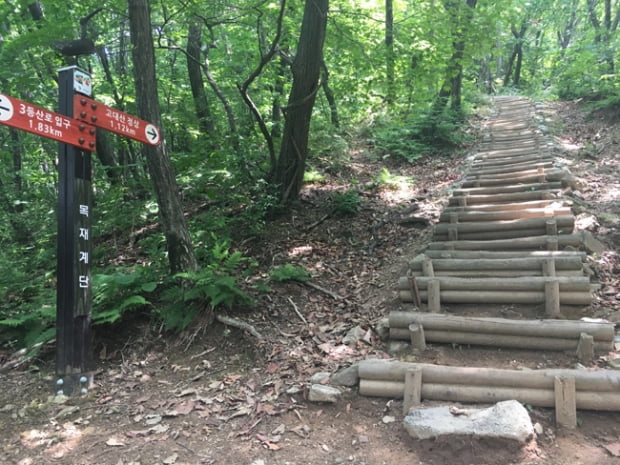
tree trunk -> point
(389, 50)
(180, 251)
(289, 170)
(194, 72)
(329, 95)
(451, 88)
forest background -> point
(254, 98)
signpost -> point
(36, 120)
(113, 120)
(75, 128)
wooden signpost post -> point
(75, 128)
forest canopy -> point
(251, 96)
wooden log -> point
(506, 153)
(564, 222)
(481, 263)
(576, 240)
(476, 254)
(538, 203)
(485, 199)
(486, 161)
(525, 167)
(544, 186)
(555, 175)
(585, 380)
(473, 215)
(565, 397)
(526, 283)
(496, 273)
(586, 400)
(501, 297)
(569, 329)
(499, 340)
(455, 234)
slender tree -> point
(180, 252)
(289, 169)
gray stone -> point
(348, 376)
(353, 335)
(383, 328)
(505, 420)
(395, 347)
(322, 393)
(321, 377)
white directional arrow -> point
(152, 134)
(6, 108)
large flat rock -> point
(505, 420)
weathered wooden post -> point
(74, 287)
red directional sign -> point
(27, 117)
(105, 117)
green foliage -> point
(347, 203)
(414, 136)
(216, 284)
(288, 272)
(116, 293)
(391, 181)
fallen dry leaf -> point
(613, 448)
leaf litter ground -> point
(216, 395)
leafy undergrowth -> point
(216, 395)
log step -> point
(594, 390)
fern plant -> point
(114, 294)
(347, 203)
(289, 272)
(214, 285)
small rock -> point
(322, 377)
(294, 390)
(348, 376)
(395, 347)
(383, 328)
(388, 419)
(322, 393)
(354, 335)
(538, 429)
(505, 420)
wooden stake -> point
(565, 402)
(551, 227)
(413, 389)
(415, 292)
(418, 341)
(585, 348)
(552, 243)
(548, 267)
(552, 298)
(434, 296)
(427, 267)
